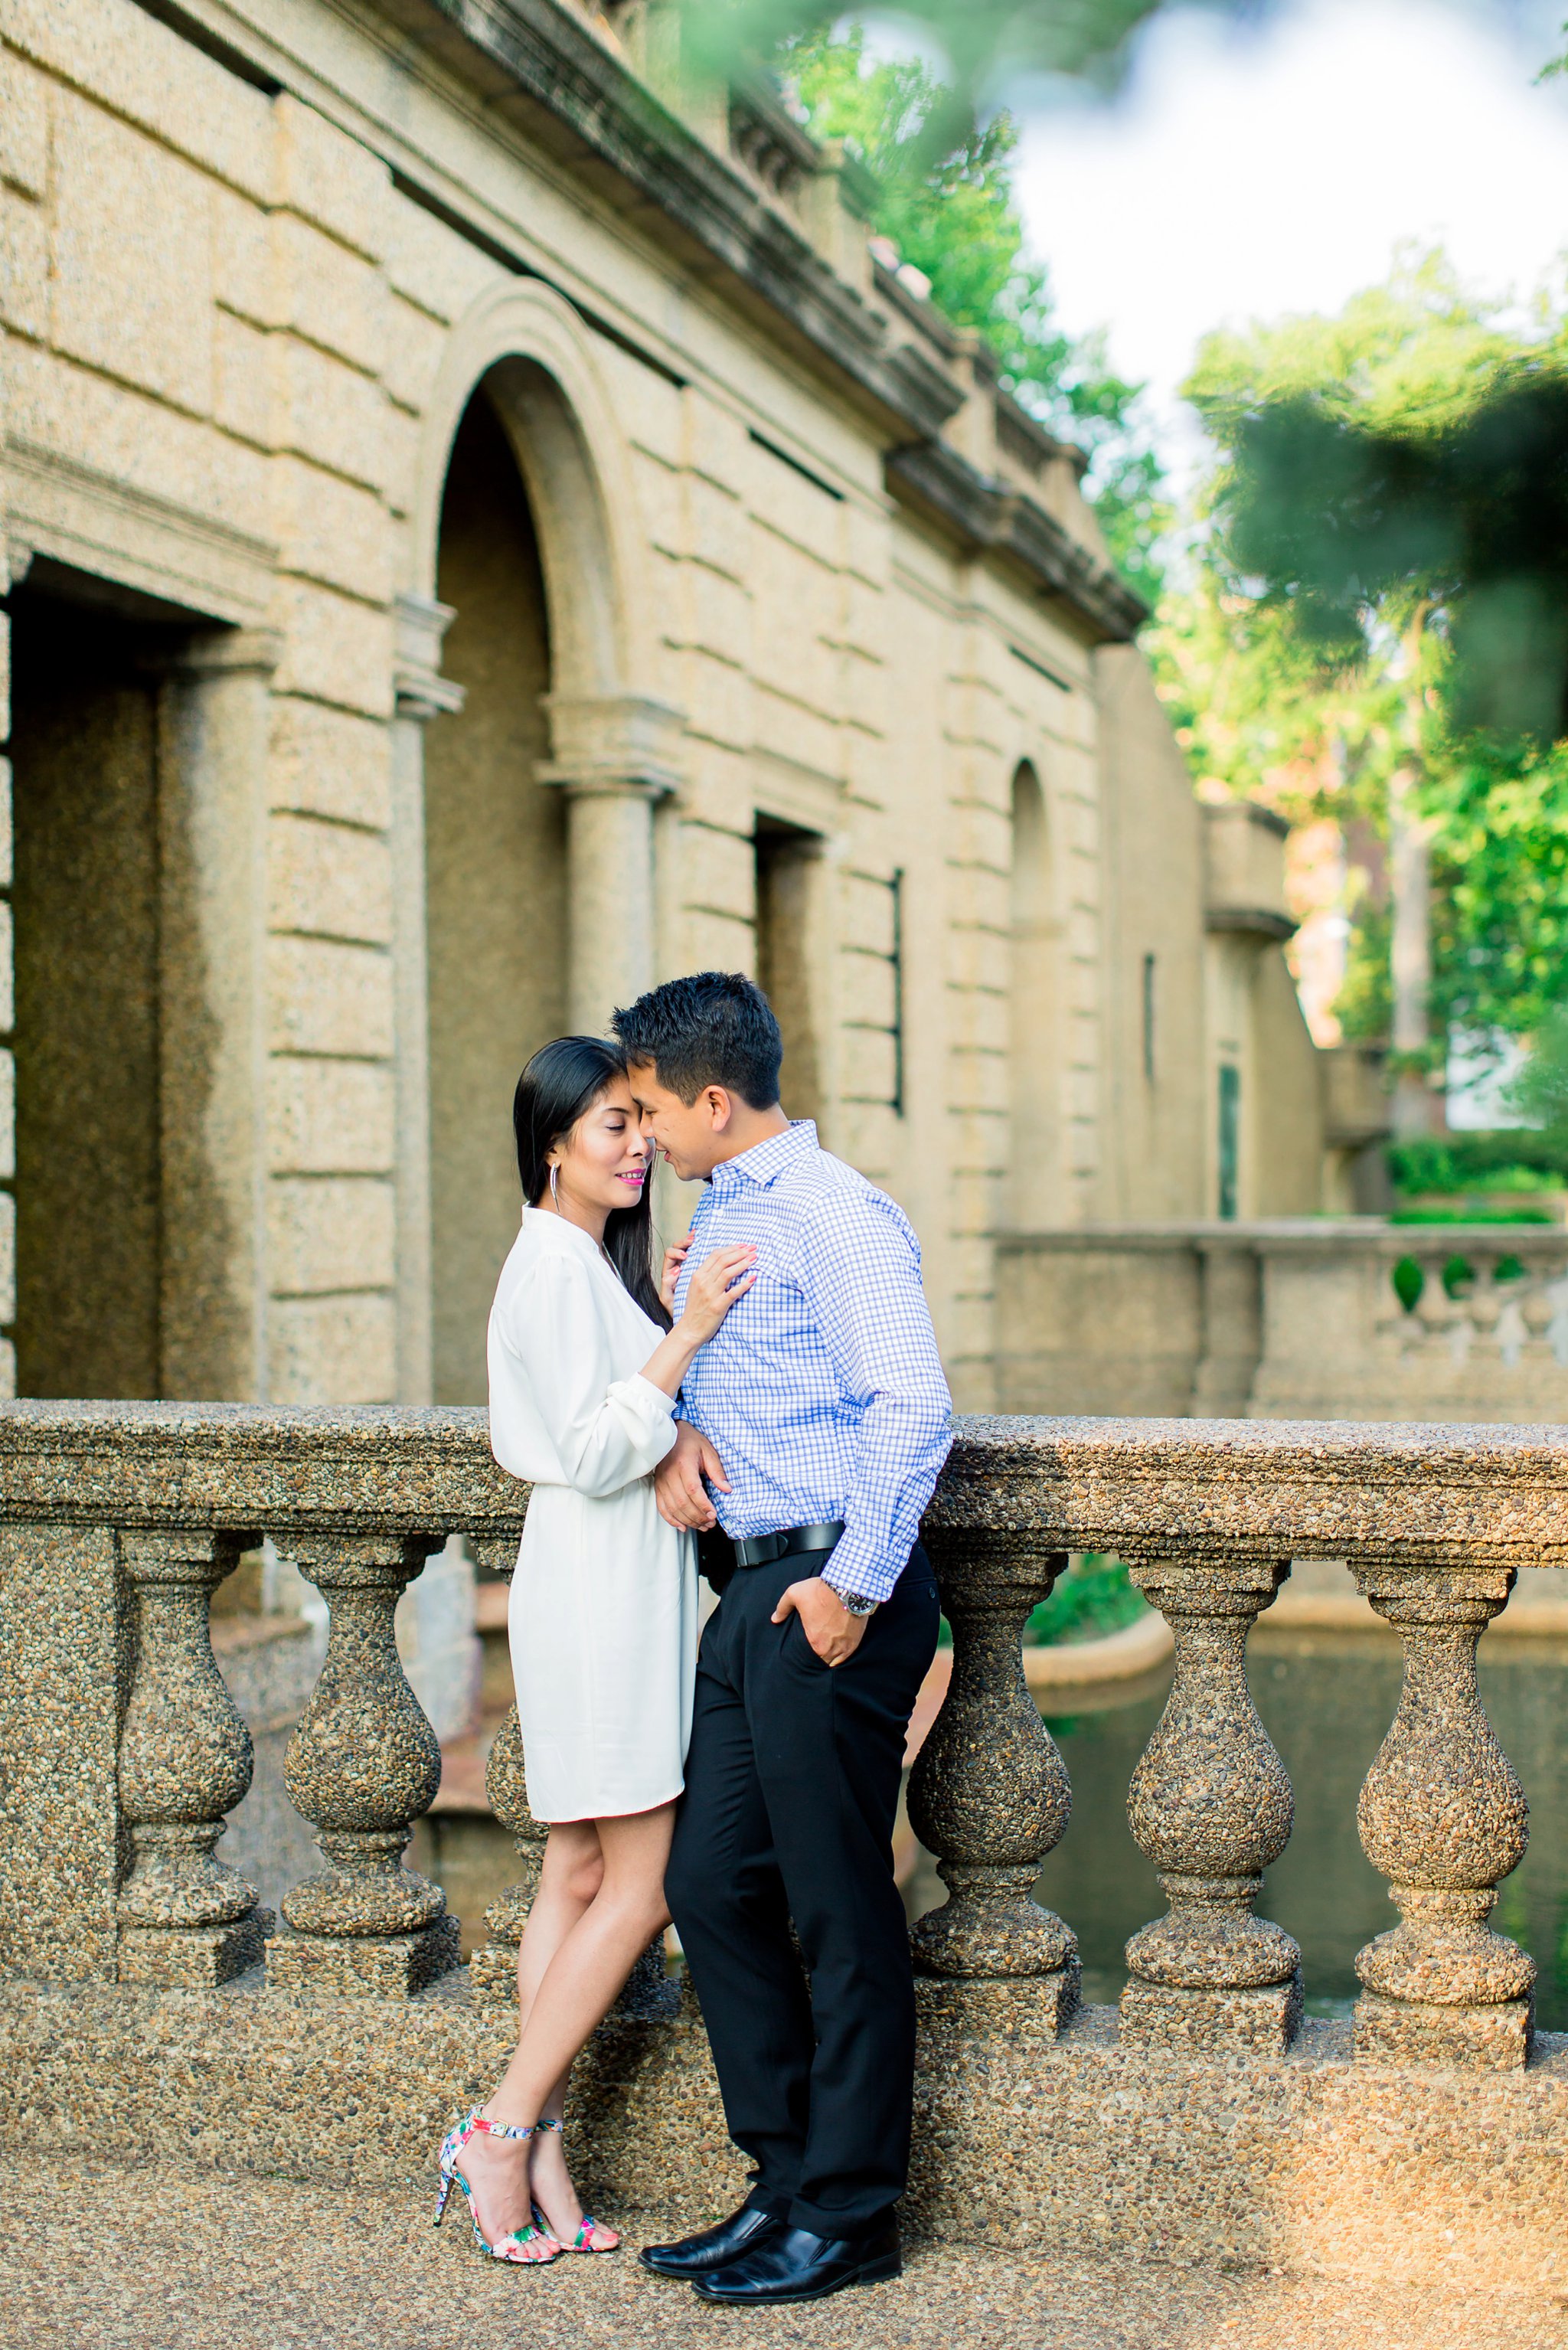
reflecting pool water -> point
(1326, 1699)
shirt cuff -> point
(650, 1413)
(648, 1393)
(855, 1566)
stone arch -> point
(1036, 1074)
(526, 345)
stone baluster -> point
(990, 1793)
(1210, 1805)
(1484, 1304)
(184, 1761)
(1436, 1311)
(493, 1967)
(1535, 1307)
(362, 1765)
(1443, 1817)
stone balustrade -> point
(123, 1751)
(1210, 1514)
(147, 1997)
(1351, 1317)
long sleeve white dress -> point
(603, 1615)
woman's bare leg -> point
(565, 1888)
(586, 1961)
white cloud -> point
(1245, 173)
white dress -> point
(603, 1615)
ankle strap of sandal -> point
(500, 2129)
(550, 2121)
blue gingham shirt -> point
(822, 1390)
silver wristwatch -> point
(855, 1604)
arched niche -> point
(495, 838)
(1034, 1186)
(537, 840)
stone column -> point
(422, 693)
(988, 1793)
(363, 1764)
(213, 806)
(1445, 1820)
(614, 755)
(1210, 1805)
(184, 1762)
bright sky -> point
(1246, 173)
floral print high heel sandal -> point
(582, 2241)
(526, 2247)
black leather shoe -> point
(791, 2264)
(694, 2256)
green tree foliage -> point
(1383, 586)
(1500, 926)
(1411, 451)
(946, 201)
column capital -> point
(221, 652)
(616, 742)
(421, 624)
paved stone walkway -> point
(93, 2258)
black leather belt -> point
(762, 1550)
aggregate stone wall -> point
(1310, 2164)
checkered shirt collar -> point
(767, 1159)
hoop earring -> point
(554, 1195)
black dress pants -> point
(791, 1785)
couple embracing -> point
(777, 1397)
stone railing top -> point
(1248, 1488)
(1312, 1236)
(1180, 1489)
(353, 1468)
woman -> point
(584, 1371)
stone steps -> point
(170, 2259)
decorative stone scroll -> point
(990, 1793)
(493, 1967)
(1443, 1817)
(362, 1765)
(184, 1761)
(1210, 1805)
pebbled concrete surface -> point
(144, 2260)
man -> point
(818, 1417)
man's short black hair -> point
(715, 1029)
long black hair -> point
(560, 1084)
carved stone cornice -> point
(990, 519)
(540, 68)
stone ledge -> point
(1308, 2162)
(1412, 1495)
